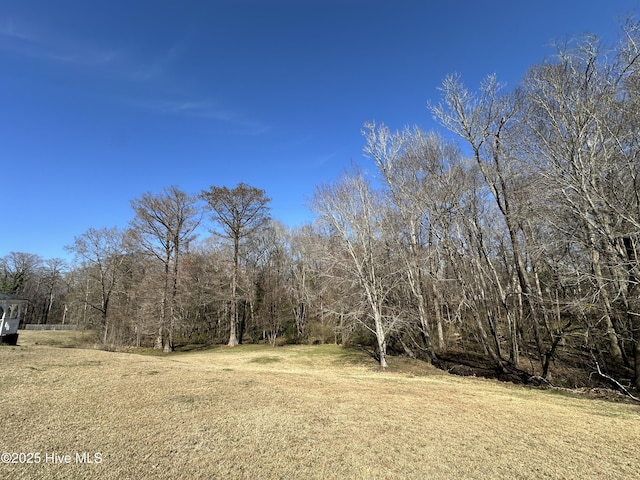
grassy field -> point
(257, 412)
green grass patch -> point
(152, 352)
(265, 359)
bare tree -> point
(271, 305)
(488, 122)
(19, 274)
(304, 282)
(52, 274)
(17, 268)
(101, 254)
(583, 141)
(239, 211)
(318, 300)
(163, 226)
(355, 214)
(424, 176)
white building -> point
(11, 308)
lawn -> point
(258, 412)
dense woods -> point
(512, 235)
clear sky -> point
(102, 101)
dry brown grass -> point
(295, 412)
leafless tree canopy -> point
(240, 212)
(513, 248)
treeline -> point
(518, 241)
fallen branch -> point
(616, 383)
(538, 378)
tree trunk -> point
(233, 324)
(636, 353)
(382, 341)
(158, 345)
(438, 314)
(168, 344)
(106, 330)
(612, 337)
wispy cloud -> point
(234, 122)
(9, 28)
(156, 72)
(191, 108)
(160, 64)
(322, 160)
(19, 38)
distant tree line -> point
(518, 241)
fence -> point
(35, 326)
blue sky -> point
(102, 101)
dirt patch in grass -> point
(312, 414)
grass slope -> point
(293, 412)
